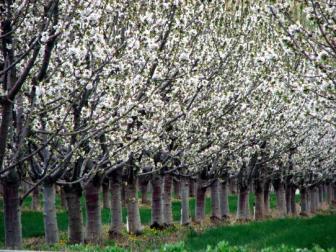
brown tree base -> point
(114, 235)
(215, 219)
(158, 226)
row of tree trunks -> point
(312, 199)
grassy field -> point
(294, 232)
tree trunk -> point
(94, 222)
(200, 202)
(259, 205)
(64, 203)
(157, 209)
(177, 189)
(292, 201)
(280, 195)
(243, 205)
(259, 201)
(35, 206)
(334, 194)
(267, 206)
(75, 216)
(167, 200)
(321, 196)
(133, 219)
(50, 217)
(192, 187)
(288, 200)
(215, 205)
(116, 205)
(12, 215)
(304, 202)
(123, 194)
(317, 196)
(224, 200)
(233, 186)
(312, 201)
(185, 220)
(143, 184)
(106, 196)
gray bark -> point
(259, 200)
(288, 199)
(116, 205)
(292, 201)
(12, 215)
(215, 205)
(224, 200)
(167, 200)
(304, 202)
(192, 187)
(281, 199)
(123, 194)
(267, 206)
(200, 202)
(157, 209)
(185, 220)
(94, 222)
(321, 196)
(143, 184)
(233, 186)
(243, 205)
(317, 197)
(75, 217)
(63, 199)
(133, 219)
(35, 206)
(49, 214)
(259, 205)
(177, 189)
(313, 205)
(106, 196)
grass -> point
(294, 232)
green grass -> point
(294, 232)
